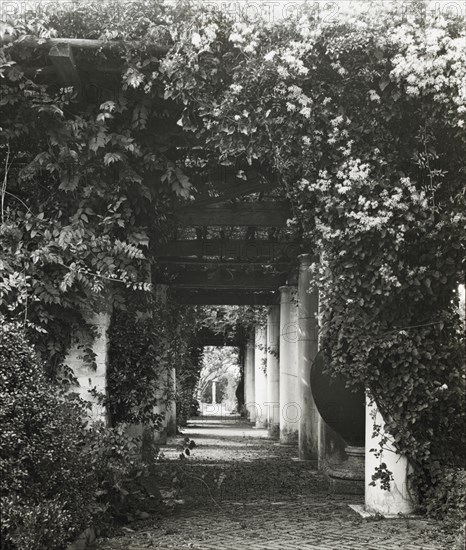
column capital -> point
(307, 259)
(287, 288)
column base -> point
(274, 431)
(288, 437)
(348, 477)
(160, 437)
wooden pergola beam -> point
(29, 41)
(213, 297)
(61, 56)
(242, 251)
(228, 279)
(237, 190)
(268, 214)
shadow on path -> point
(241, 490)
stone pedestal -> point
(273, 372)
(348, 477)
(290, 411)
(400, 499)
(307, 350)
(260, 377)
(249, 379)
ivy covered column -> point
(171, 394)
(398, 497)
(161, 407)
(290, 411)
(273, 372)
(171, 402)
(249, 379)
(307, 350)
(260, 377)
(92, 375)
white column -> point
(273, 372)
(171, 403)
(260, 377)
(163, 387)
(249, 380)
(398, 499)
(290, 410)
(214, 392)
(91, 378)
(307, 351)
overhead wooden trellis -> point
(245, 271)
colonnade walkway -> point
(238, 489)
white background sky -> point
(271, 9)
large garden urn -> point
(343, 411)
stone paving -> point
(243, 490)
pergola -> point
(253, 267)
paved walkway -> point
(240, 490)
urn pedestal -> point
(342, 430)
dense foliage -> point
(327, 105)
(361, 117)
(57, 475)
(147, 340)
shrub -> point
(45, 485)
(57, 474)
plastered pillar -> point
(399, 499)
(249, 380)
(214, 392)
(290, 410)
(92, 380)
(163, 383)
(171, 402)
(273, 372)
(307, 350)
(260, 377)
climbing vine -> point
(327, 106)
(361, 117)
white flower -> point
(196, 40)
(374, 96)
(236, 88)
(282, 72)
(306, 112)
(235, 37)
(251, 48)
(269, 56)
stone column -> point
(214, 392)
(91, 378)
(290, 410)
(260, 377)
(399, 499)
(161, 407)
(307, 351)
(171, 403)
(273, 372)
(249, 386)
